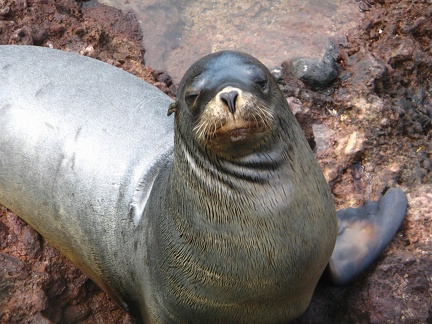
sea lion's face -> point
(226, 102)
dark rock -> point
(39, 35)
(12, 267)
(162, 76)
(317, 74)
(23, 36)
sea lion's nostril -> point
(230, 99)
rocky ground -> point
(371, 129)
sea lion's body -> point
(226, 218)
(72, 162)
(232, 242)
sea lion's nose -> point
(230, 99)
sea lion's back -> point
(80, 141)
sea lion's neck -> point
(199, 170)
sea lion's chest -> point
(218, 252)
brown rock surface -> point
(372, 130)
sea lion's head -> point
(228, 103)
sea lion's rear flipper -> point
(364, 233)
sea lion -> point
(224, 216)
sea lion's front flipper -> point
(364, 233)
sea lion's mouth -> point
(236, 133)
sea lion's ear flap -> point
(173, 107)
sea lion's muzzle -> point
(233, 118)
